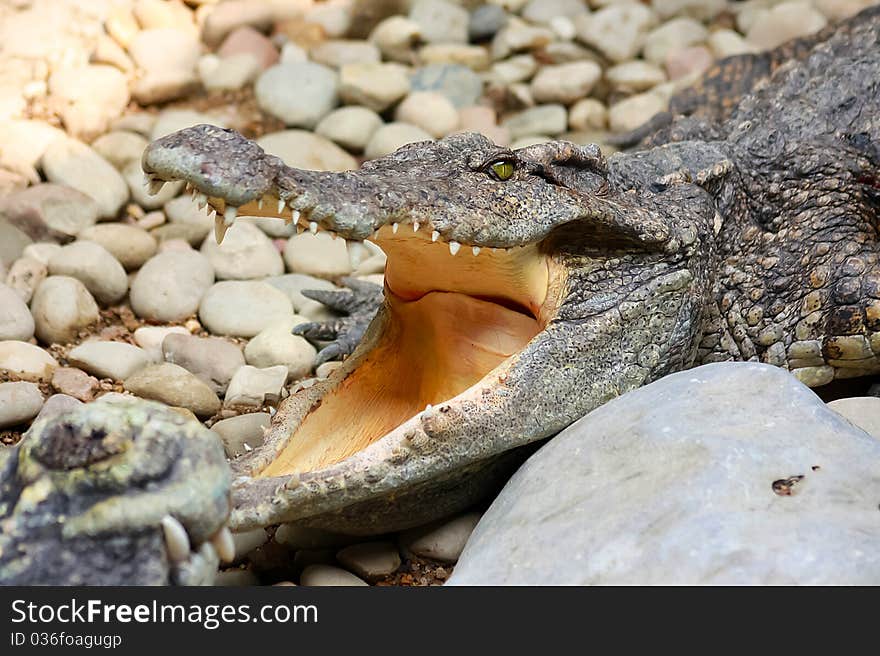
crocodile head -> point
(114, 493)
(522, 289)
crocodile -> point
(111, 493)
(524, 288)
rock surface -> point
(61, 307)
(175, 386)
(730, 473)
(170, 286)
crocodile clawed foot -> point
(358, 302)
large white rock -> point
(242, 308)
(62, 306)
(170, 286)
(246, 253)
(16, 321)
(300, 94)
(730, 473)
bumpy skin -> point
(83, 496)
(749, 238)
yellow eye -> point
(503, 169)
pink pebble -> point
(687, 61)
(247, 40)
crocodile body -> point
(525, 288)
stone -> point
(324, 370)
(275, 345)
(335, 19)
(120, 147)
(543, 119)
(170, 285)
(129, 245)
(246, 253)
(41, 252)
(300, 94)
(475, 58)
(16, 322)
(292, 285)
(150, 339)
(305, 150)
(12, 243)
(374, 85)
(172, 120)
(327, 575)
(482, 119)
(351, 127)
(671, 36)
(26, 360)
(861, 411)
(75, 383)
(181, 236)
(635, 76)
(702, 477)
(242, 433)
(440, 21)
(431, 111)
(726, 43)
(138, 122)
(242, 308)
(227, 73)
(134, 178)
(701, 10)
(253, 386)
(390, 137)
(458, 83)
(837, 10)
(630, 113)
(213, 359)
(233, 14)
(174, 386)
(19, 402)
(61, 307)
(93, 266)
(166, 58)
(443, 541)
(786, 21)
(271, 227)
(486, 21)
(336, 53)
(395, 37)
(245, 40)
(115, 360)
(518, 68)
(688, 62)
(565, 83)
(88, 97)
(183, 210)
(25, 275)
(317, 255)
(49, 212)
(72, 163)
(518, 36)
(160, 13)
(247, 541)
(588, 114)
(370, 560)
(617, 31)
(544, 11)
(57, 404)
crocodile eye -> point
(502, 169)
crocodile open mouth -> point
(453, 313)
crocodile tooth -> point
(154, 185)
(333, 234)
(189, 188)
(357, 253)
(260, 203)
(453, 247)
(294, 215)
(299, 229)
(394, 228)
(475, 250)
(415, 226)
(435, 236)
(201, 201)
(220, 228)
(223, 543)
(230, 214)
(429, 407)
(280, 205)
(176, 539)
(313, 227)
